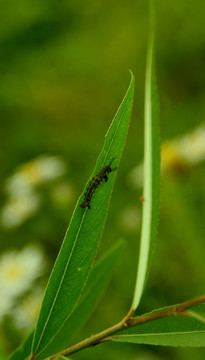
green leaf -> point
(92, 293)
(151, 178)
(78, 250)
(23, 352)
(63, 358)
(198, 312)
(169, 331)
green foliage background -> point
(64, 70)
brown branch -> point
(32, 357)
(175, 310)
(128, 321)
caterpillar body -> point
(101, 177)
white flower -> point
(18, 270)
(6, 303)
(18, 209)
(177, 155)
(192, 146)
(26, 312)
(185, 151)
(38, 171)
(23, 200)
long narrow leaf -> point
(169, 331)
(92, 293)
(79, 247)
(151, 178)
(23, 352)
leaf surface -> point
(73, 264)
(94, 289)
(23, 351)
(169, 331)
(150, 207)
(92, 293)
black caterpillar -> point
(97, 180)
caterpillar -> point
(101, 177)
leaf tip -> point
(132, 75)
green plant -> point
(75, 287)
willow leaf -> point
(92, 293)
(73, 264)
(151, 178)
(94, 289)
(169, 331)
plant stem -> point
(128, 321)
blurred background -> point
(63, 73)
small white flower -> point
(47, 168)
(6, 303)
(18, 270)
(177, 155)
(18, 209)
(185, 151)
(38, 171)
(192, 146)
(26, 312)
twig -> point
(127, 322)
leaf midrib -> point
(161, 334)
(76, 238)
(60, 285)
